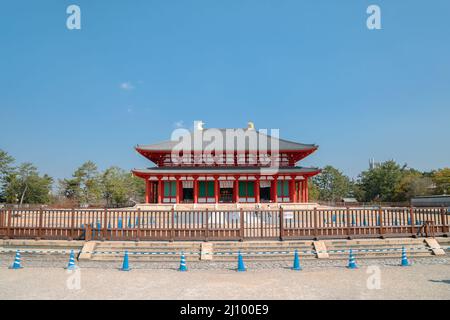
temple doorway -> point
(226, 195)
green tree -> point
(25, 185)
(84, 187)
(5, 169)
(381, 182)
(332, 184)
(412, 183)
(441, 178)
(313, 191)
(120, 187)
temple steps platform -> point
(270, 250)
(161, 251)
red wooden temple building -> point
(256, 169)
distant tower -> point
(371, 163)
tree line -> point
(115, 187)
(385, 182)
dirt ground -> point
(367, 282)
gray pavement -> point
(427, 278)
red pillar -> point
(274, 189)
(236, 189)
(147, 191)
(195, 190)
(292, 190)
(177, 190)
(306, 190)
(257, 199)
(303, 190)
(216, 189)
(160, 190)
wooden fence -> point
(111, 224)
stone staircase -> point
(263, 250)
(227, 250)
(113, 251)
(387, 248)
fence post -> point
(349, 233)
(138, 231)
(207, 225)
(445, 228)
(172, 230)
(72, 224)
(412, 221)
(316, 234)
(105, 224)
(242, 224)
(88, 232)
(380, 216)
(8, 224)
(281, 224)
(39, 229)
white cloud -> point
(127, 86)
(179, 124)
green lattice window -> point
(283, 188)
(170, 189)
(206, 189)
(246, 189)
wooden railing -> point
(111, 224)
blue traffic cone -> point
(351, 261)
(119, 223)
(183, 266)
(16, 264)
(241, 266)
(71, 265)
(296, 265)
(125, 266)
(405, 262)
(129, 222)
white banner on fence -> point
(288, 215)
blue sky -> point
(136, 69)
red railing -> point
(111, 224)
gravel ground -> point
(43, 277)
(60, 261)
